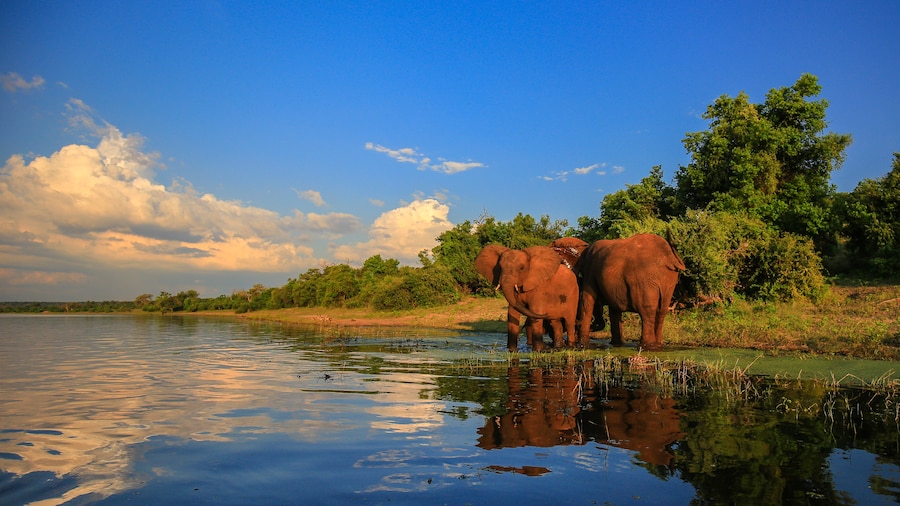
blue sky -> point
(167, 146)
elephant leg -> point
(529, 333)
(570, 332)
(535, 330)
(585, 313)
(512, 329)
(598, 323)
(654, 339)
(556, 332)
(615, 326)
(648, 329)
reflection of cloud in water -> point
(395, 412)
(75, 405)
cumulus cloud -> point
(312, 196)
(13, 82)
(401, 233)
(99, 208)
(422, 162)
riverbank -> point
(853, 321)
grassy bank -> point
(854, 321)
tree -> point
(523, 231)
(338, 285)
(773, 160)
(651, 198)
(456, 251)
(306, 288)
(143, 300)
(871, 213)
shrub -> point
(422, 287)
(729, 253)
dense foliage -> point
(771, 160)
(753, 215)
(871, 219)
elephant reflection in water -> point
(540, 411)
(639, 421)
(552, 406)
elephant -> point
(635, 274)
(536, 284)
(569, 249)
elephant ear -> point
(486, 263)
(543, 264)
(569, 249)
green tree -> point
(651, 198)
(456, 251)
(338, 285)
(773, 160)
(416, 287)
(189, 300)
(871, 213)
(305, 289)
(374, 273)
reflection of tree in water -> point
(774, 448)
(769, 443)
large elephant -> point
(536, 284)
(636, 274)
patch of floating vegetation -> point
(723, 379)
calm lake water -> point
(173, 410)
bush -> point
(728, 254)
(782, 267)
(412, 288)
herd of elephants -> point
(567, 283)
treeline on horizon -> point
(753, 215)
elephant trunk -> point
(510, 292)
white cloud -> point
(312, 196)
(581, 171)
(422, 162)
(93, 217)
(556, 176)
(448, 167)
(586, 170)
(13, 82)
(87, 209)
(401, 233)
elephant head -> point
(569, 249)
(517, 271)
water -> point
(152, 409)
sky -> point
(210, 146)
